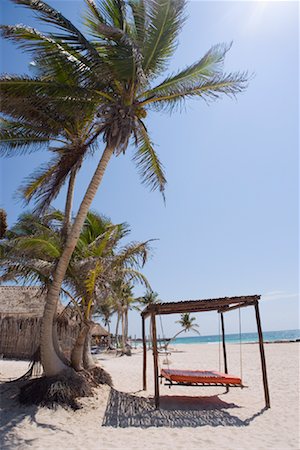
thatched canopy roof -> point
(23, 301)
(214, 304)
(98, 330)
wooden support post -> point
(262, 355)
(224, 347)
(155, 361)
(144, 355)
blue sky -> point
(230, 224)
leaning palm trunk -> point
(88, 360)
(77, 351)
(69, 202)
(51, 362)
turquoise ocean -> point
(269, 336)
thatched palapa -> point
(21, 312)
(99, 334)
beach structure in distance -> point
(200, 378)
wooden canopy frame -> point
(221, 305)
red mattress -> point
(199, 376)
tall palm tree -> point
(131, 44)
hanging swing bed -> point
(200, 377)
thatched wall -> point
(21, 310)
(20, 337)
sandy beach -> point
(190, 417)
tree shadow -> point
(12, 413)
(125, 410)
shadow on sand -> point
(12, 413)
(125, 410)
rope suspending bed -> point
(200, 377)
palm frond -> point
(56, 53)
(212, 89)
(133, 255)
(209, 66)
(27, 87)
(150, 168)
(19, 137)
(164, 21)
(111, 13)
(45, 183)
(139, 19)
(39, 246)
(70, 34)
(105, 19)
(131, 275)
(91, 279)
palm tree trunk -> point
(174, 337)
(69, 202)
(56, 345)
(126, 325)
(50, 360)
(88, 360)
(109, 335)
(117, 330)
(123, 330)
(77, 351)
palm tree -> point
(33, 245)
(132, 42)
(187, 323)
(149, 298)
(105, 310)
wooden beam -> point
(144, 356)
(262, 356)
(224, 348)
(199, 305)
(231, 308)
(155, 360)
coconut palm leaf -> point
(57, 53)
(150, 168)
(211, 89)
(210, 65)
(106, 19)
(70, 34)
(17, 138)
(139, 21)
(134, 254)
(131, 275)
(164, 21)
(46, 182)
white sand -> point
(235, 420)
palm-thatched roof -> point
(23, 301)
(98, 330)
